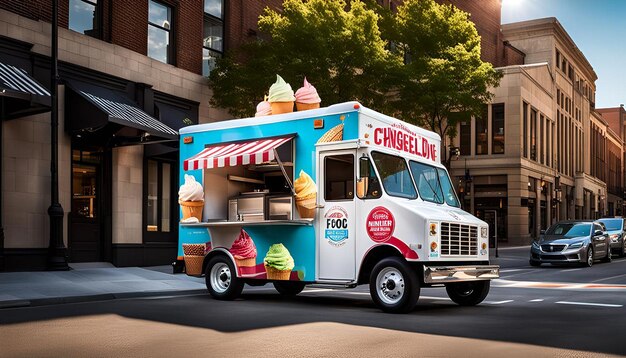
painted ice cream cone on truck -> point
(281, 97)
(307, 97)
(278, 263)
(243, 250)
(191, 199)
(306, 195)
(263, 108)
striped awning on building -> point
(114, 108)
(20, 94)
(16, 79)
(232, 154)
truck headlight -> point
(433, 229)
(483, 232)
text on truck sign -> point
(403, 139)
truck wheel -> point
(468, 293)
(221, 279)
(394, 286)
(289, 288)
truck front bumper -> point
(446, 274)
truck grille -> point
(458, 239)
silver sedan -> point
(572, 242)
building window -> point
(213, 36)
(558, 59)
(466, 137)
(84, 17)
(542, 138)
(533, 134)
(525, 131)
(481, 133)
(497, 128)
(160, 44)
(159, 191)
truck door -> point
(336, 217)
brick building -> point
(131, 74)
(541, 152)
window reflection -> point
(213, 34)
(159, 32)
(83, 17)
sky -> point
(598, 31)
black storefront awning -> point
(21, 95)
(110, 117)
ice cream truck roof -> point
(374, 129)
(320, 112)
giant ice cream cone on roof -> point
(281, 97)
(307, 97)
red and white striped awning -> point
(221, 155)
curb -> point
(37, 302)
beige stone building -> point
(541, 152)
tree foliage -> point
(338, 48)
(443, 72)
(421, 64)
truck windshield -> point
(433, 184)
(394, 175)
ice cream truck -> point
(336, 196)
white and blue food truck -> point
(341, 196)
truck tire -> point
(221, 279)
(468, 293)
(394, 285)
(287, 288)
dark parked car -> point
(572, 242)
(615, 227)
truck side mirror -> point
(364, 167)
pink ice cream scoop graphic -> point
(244, 250)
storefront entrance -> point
(86, 234)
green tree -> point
(337, 47)
(443, 72)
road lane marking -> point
(589, 304)
(537, 300)
(608, 278)
(556, 285)
(498, 302)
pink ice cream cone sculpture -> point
(307, 97)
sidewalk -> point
(93, 282)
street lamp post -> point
(57, 254)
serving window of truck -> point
(341, 195)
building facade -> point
(131, 74)
(541, 152)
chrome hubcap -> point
(390, 285)
(220, 277)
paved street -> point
(547, 311)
